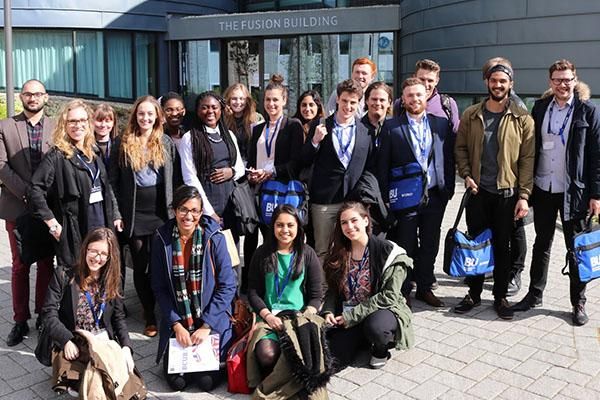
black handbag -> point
(244, 206)
(34, 242)
(43, 349)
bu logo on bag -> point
(586, 248)
(274, 193)
(407, 187)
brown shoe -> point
(429, 298)
(150, 330)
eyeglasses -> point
(95, 253)
(559, 81)
(36, 95)
(183, 211)
(75, 122)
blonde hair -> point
(249, 113)
(60, 137)
(133, 152)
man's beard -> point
(416, 109)
(34, 110)
(498, 98)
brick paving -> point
(538, 355)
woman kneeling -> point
(364, 302)
(194, 284)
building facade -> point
(123, 49)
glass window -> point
(119, 59)
(145, 68)
(89, 58)
(201, 66)
(42, 54)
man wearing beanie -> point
(494, 154)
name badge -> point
(348, 306)
(96, 195)
(101, 334)
(548, 145)
(269, 166)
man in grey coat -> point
(24, 139)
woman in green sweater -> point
(285, 275)
(364, 302)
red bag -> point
(237, 378)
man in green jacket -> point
(494, 154)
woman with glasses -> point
(194, 284)
(143, 177)
(70, 190)
(86, 298)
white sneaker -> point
(377, 363)
(72, 392)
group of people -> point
(164, 188)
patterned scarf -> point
(189, 310)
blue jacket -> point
(218, 283)
(397, 150)
(582, 166)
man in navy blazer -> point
(340, 150)
(425, 141)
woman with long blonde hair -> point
(143, 177)
(240, 115)
(70, 190)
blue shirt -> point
(422, 142)
(344, 137)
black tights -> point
(267, 353)
(140, 255)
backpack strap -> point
(447, 107)
(461, 208)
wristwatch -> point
(53, 229)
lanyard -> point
(353, 282)
(422, 137)
(564, 124)
(92, 175)
(339, 134)
(377, 133)
(106, 156)
(98, 317)
(269, 143)
(279, 290)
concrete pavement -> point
(538, 355)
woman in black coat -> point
(273, 153)
(87, 298)
(70, 190)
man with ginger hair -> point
(364, 72)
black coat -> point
(60, 308)
(582, 166)
(122, 180)
(397, 150)
(331, 182)
(287, 148)
(60, 188)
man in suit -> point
(340, 151)
(417, 137)
(566, 178)
(24, 139)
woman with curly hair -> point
(143, 177)
(364, 302)
(70, 190)
(240, 115)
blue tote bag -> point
(466, 254)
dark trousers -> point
(546, 206)
(419, 234)
(518, 248)
(494, 211)
(140, 255)
(378, 331)
(20, 279)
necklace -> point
(217, 139)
